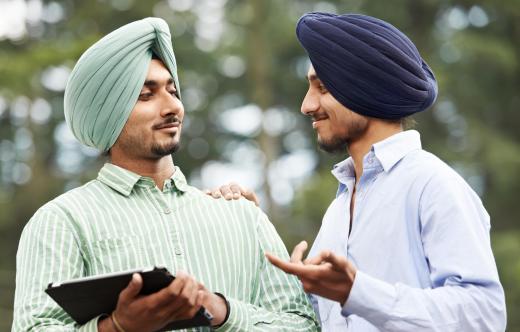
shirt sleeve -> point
(466, 294)
(47, 252)
(282, 305)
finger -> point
(236, 190)
(250, 196)
(282, 265)
(318, 259)
(297, 254)
(339, 263)
(216, 194)
(201, 296)
(300, 270)
(226, 192)
(186, 301)
(171, 293)
(132, 290)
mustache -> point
(318, 117)
(169, 121)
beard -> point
(164, 149)
(136, 144)
(340, 143)
(334, 145)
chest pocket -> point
(127, 252)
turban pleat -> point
(104, 86)
(367, 64)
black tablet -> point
(89, 297)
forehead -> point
(157, 71)
(311, 71)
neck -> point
(158, 169)
(377, 131)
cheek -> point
(141, 118)
(339, 117)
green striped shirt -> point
(123, 221)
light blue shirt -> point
(420, 243)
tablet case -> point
(89, 297)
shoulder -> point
(430, 181)
(241, 210)
(74, 198)
(426, 168)
(62, 208)
(442, 188)
(439, 174)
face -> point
(336, 125)
(153, 129)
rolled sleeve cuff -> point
(371, 299)
(91, 325)
(238, 319)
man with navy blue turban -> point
(405, 244)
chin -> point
(333, 144)
(166, 149)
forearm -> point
(453, 307)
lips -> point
(169, 125)
(315, 120)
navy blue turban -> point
(367, 64)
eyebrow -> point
(151, 84)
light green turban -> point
(104, 86)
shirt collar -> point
(123, 180)
(179, 180)
(388, 152)
(391, 150)
(344, 170)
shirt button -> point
(178, 251)
(167, 211)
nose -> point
(171, 105)
(311, 103)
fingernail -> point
(228, 195)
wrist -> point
(105, 324)
(351, 273)
(219, 309)
(115, 323)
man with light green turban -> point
(123, 98)
(105, 84)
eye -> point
(173, 92)
(322, 88)
(145, 96)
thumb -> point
(133, 288)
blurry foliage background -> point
(242, 75)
